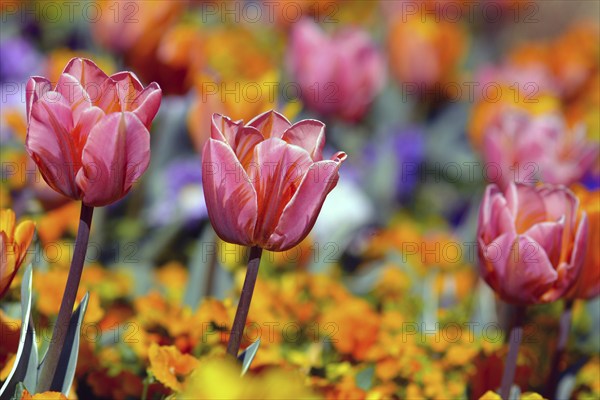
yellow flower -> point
(489, 395)
(14, 243)
(219, 378)
(168, 365)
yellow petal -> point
(7, 222)
(22, 239)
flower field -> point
(299, 199)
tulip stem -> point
(55, 348)
(510, 364)
(563, 337)
(239, 322)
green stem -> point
(55, 348)
(510, 364)
(241, 314)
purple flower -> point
(183, 197)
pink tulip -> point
(265, 182)
(525, 148)
(90, 135)
(531, 242)
(338, 75)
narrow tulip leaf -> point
(203, 269)
(25, 367)
(248, 355)
(65, 370)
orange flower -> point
(168, 365)
(353, 328)
(14, 243)
(43, 396)
(425, 52)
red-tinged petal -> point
(73, 91)
(271, 124)
(531, 208)
(308, 134)
(549, 235)
(229, 194)
(116, 154)
(300, 214)
(88, 119)
(51, 146)
(87, 73)
(224, 129)
(493, 258)
(560, 202)
(37, 87)
(276, 170)
(240, 138)
(581, 243)
(148, 103)
(528, 274)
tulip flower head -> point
(527, 148)
(265, 182)
(14, 242)
(338, 75)
(531, 242)
(89, 136)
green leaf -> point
(248, 355)
(65, 370)
(25, 367)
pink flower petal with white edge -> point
(116, 154)
(550, 236)
(276, 170)
(528, 274)
(37, 87)
(51, 146)
(87, 73)
(230, 197)
(300, 214)
(144, 102)
(308, 134)
(75, 94)
(271, 124)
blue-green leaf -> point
(25, 367)
(65, 370)
(248, 355)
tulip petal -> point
(22, 240)
(7, 222)
(271, 124)
(116, 154)
(144, 102)
(300, 214)
(276, 170)
(308, 134)
(530, 209)
(86, 72)
(229, 194)
(51, 146)
(240, 138)
(75, 94)
(37, 87)
(224, 129)
(7, 264)
(528, 274)
(560, 203)
(549, 235)
(148, 103)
